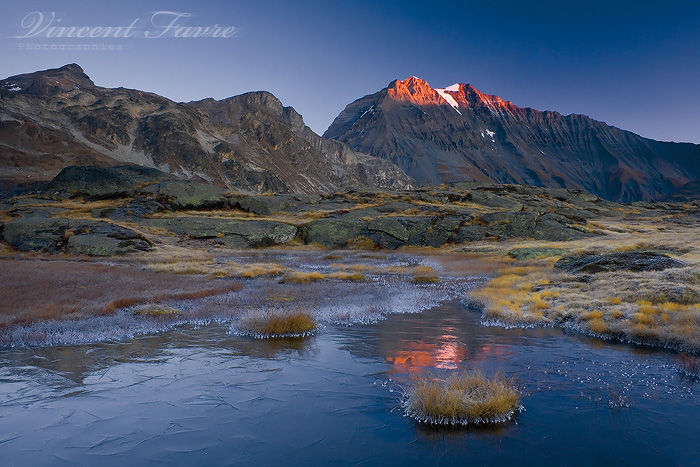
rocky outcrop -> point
(232, 233)
(427, 217)
(459, 133)
(80, 237)
(93, 182)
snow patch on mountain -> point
(449, 99)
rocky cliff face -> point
(458, 133)
(56, 118)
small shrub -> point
(462, 399)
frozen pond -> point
(200, 394)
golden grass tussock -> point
(279, 324)
(464, 398)
(216, 269)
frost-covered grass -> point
(37, 290)
(133, 299)
(660, 308)
(300, 277)
(465, 398)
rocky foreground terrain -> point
(102, 211)
(557, 256)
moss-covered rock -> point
(95, 238)
(131, 210)
(485, 198)
(472, 233)
(556, 228)
(334, 233)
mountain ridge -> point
(54, 118)
(460, 134)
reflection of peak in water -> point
(443, 338)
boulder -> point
(418, 229)
(102, 182)
(555, 228)
(522, 225)
(38, 211)
(388, 233)
(181, 194)
(624, 261)
(485, 198)
(103, 245)
(265, 205)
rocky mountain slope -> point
(57, 118)
(459, 133)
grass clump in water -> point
(280, 324)
(466, 398)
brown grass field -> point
(38, 289)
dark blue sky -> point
(632, 64)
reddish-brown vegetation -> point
(34, 289)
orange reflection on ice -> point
(447, 353)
